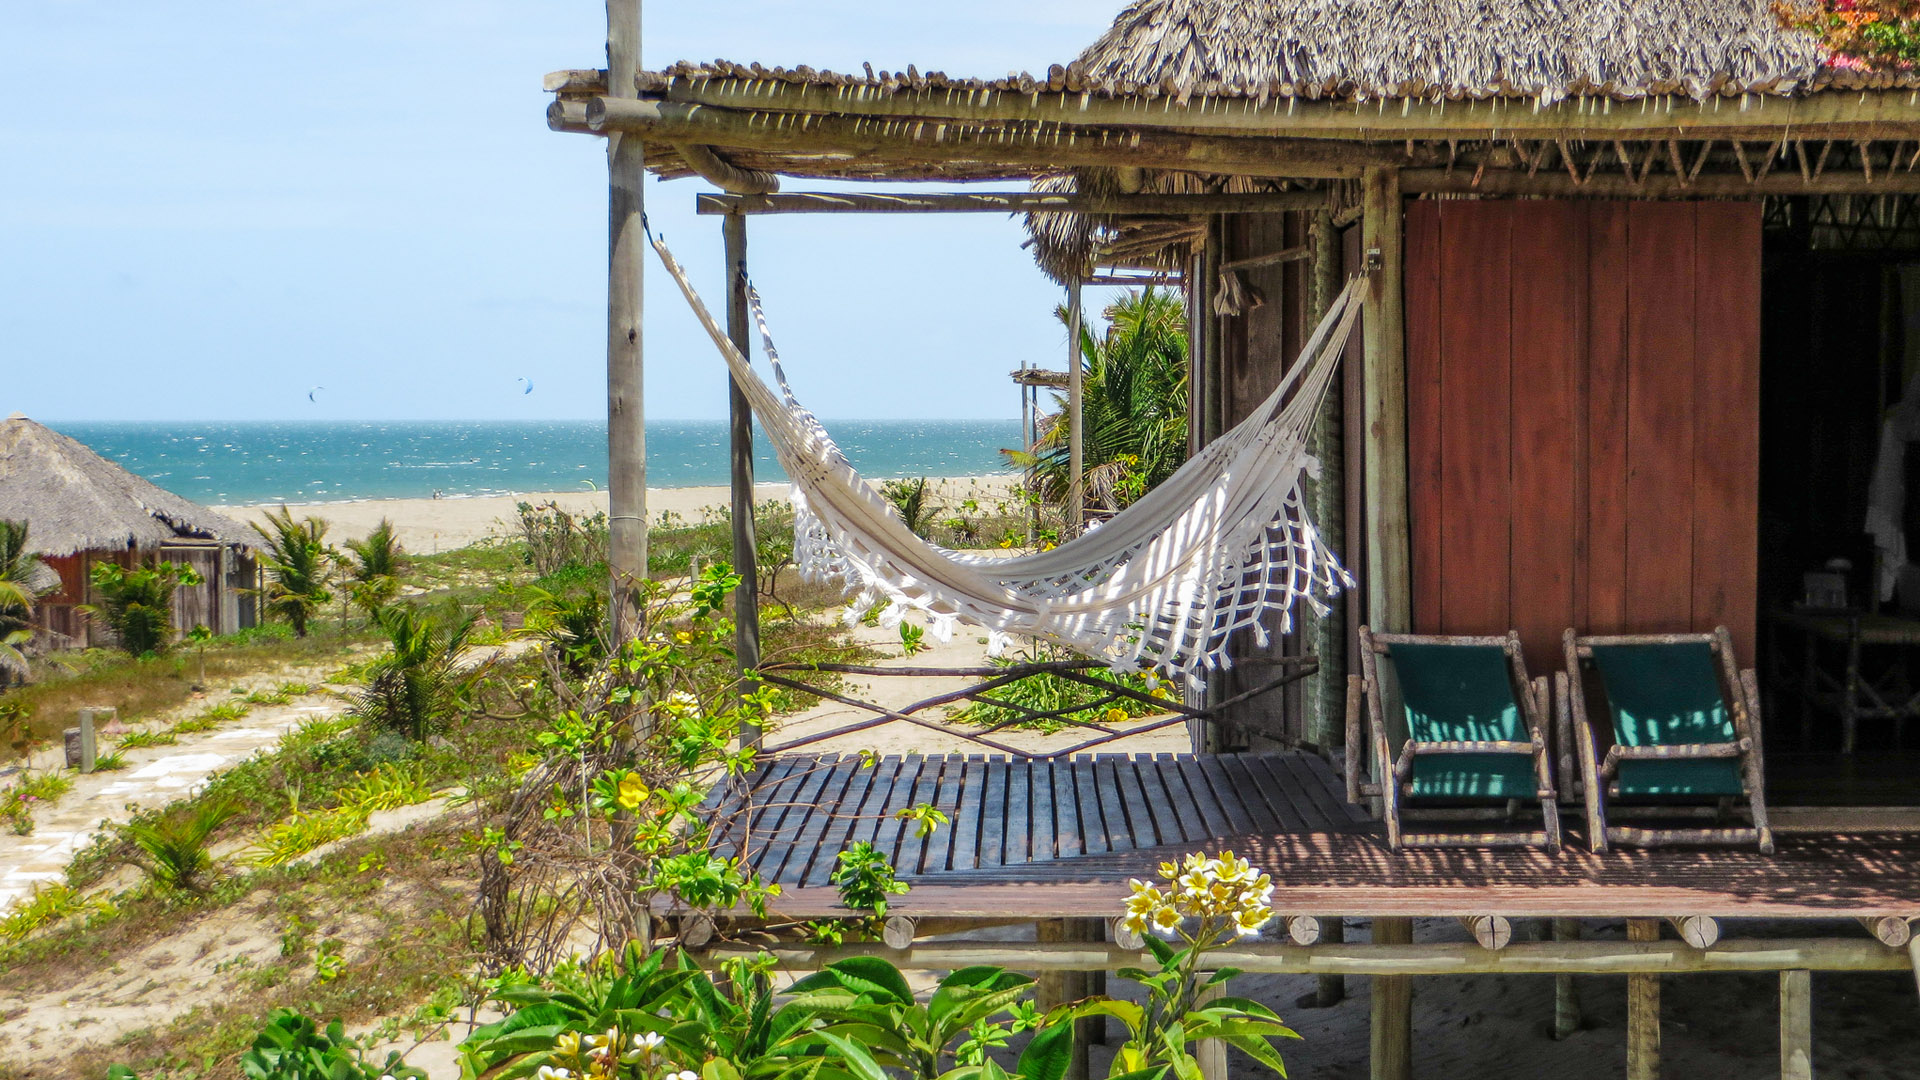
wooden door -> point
(1583, 417)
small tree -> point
(136, 602)
(294, 555)
(421, 681)
(375, 565)
(20, 574)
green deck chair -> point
(1473, 738)
(1684, 729)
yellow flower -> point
(567, 1045)
(1248, 921)
(633, 792)
(682, 637)
(1166, 919)
(1006, 541)
(1115, 715)
(1161, 692)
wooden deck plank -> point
(1197, 822)
(1043, 830)
(1145, 830)
(1331, 807)
(770, 807)
(1114, 815)
(1252, 794)
(949, 797)
(1207, 771)
(843, 820)
(1166, 822)
(1086, 793)
(1067, 839)
(780, 839)
(913, 846)
(995, 807)
(1019, 828)
(806, 845)
(965, 854)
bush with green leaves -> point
(136, 602)
(173, 849)
(421, 681)
(374, 565)
(292, 1047)
(296, 562)
(22, 578)
(912, 500)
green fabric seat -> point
(1463, 693)
(1668, 695)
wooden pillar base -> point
(1643, 1010)
(1331, 989)
(1390, 1049)
(1056, 988)
(1566, 1002)
(1796, 1025)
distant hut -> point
(82, 509)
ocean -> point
(308, 461)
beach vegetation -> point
(423, 679)
(174, 849)
(909, 500)
(22, 578)
(573, 625)
(135, 740)
(555, 537)
(136, 602)
(295, 560)
(1877, 35)
(375, 564)
(1133, 406)
(1075, 701)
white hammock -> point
(1221, 544)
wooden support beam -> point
(1389, 585)
(1076, 438)
(1873, 113)
(746, 557)
(1505, 182)
(1489, 931)
(1331, 990)
(1699, 931)
(1643, 1010)
(1379, 958)
(1390, 1045)
(1303, 929)
(898, 932)
(1005, 202)
(626, 414)
(1286, 255)
(1891, 930)
(1796, 1025)
(883, 139)
(1913, 959)
(1057, 986)
(1566, 1000)
(1211, 1054)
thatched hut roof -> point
(75, 500)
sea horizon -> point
(256, 462)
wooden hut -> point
(82, 509)
(1638, 299)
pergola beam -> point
(1008, 202)
(1833, 114)
(1048, 145)
(1613, 185)
(1340, 958)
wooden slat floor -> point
(799, 811)
(1052, 839)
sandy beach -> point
(432, 525)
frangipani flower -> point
(1226, 894)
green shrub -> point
(134, 740)
(173, 848)
(48, 904)
(136, 603)
(111, 761)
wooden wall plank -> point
(1424, 414)
(1606, 428)
(1726, 463)
(1660, 416)
(1475, 437)
(1549, 290)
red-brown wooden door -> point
(1583, 394)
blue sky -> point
(207, 207)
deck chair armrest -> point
(1682, 752)
(1471, 747)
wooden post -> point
(1796, 1025)
(626, 254)
(1055, 988)
(1566, 1002)
(1329, 500)
(1913, 957)
(1390, 1048)
(1331, 990)
(1211, 1053)
(746, 558)
(1076, 447)
(1390, 590)
(1643, 1010)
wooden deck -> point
(1058, 839)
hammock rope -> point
(1216, 548)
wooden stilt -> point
(1796, 1025)
(1643, 1010)
(1566, 1002)
(1913, 955)
(626, 254)
(1055, 988)
(746, 558)
(1389, 595)
(1331, 990)
(1211, 1053)
(1391, 1045)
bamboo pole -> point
(626, 262)
(1643, 1010)
(1390, 1047)
(1076, 446)
(746, 558)
(1848, 114)
(1389, 588)
(1796, 1025)
(1007, 202)
(1381, 958)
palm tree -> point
(422, 680)
(1133, 406)
(375, 567)
(294, 556)
(21, 582)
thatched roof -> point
(75, 500)
(1546, 49)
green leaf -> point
(872, 975)
(1259, 1050)
(1221, 976)
(858, 1060)
(1126, 1012)
(1047, 1054)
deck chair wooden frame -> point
(1599, 780)
(1531, 695)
